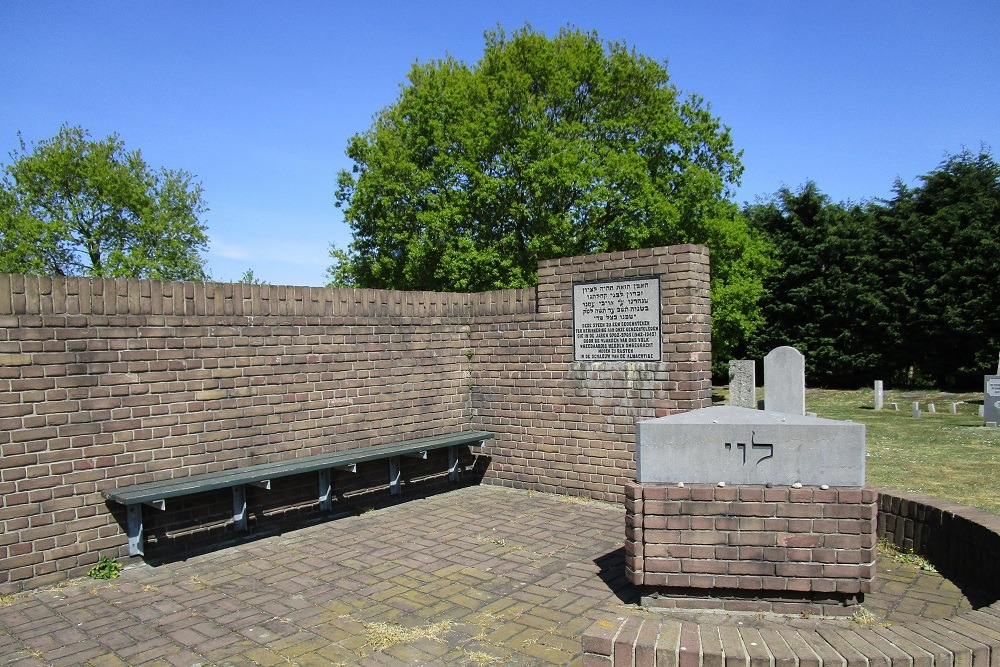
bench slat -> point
(154, 491)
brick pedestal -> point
(751, 548)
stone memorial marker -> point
(879, 395)
(991, 399)
(743, 446)
(617, 320)
(785, 381)
(743, 383)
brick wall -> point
(751, 548)
(106, 383)
(569, 427)
(962, 542)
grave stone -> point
(742, 383)
(879, 396)
(932, 408)
(785, 381)
(744, 446)
(742, 465)
(916, 409)
(991, 398)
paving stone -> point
(298, 597)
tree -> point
(940, 255)
(76, 206)
(250, 278)
(545, 148)
(826, 298)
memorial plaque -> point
(991, 399)
(617, 321)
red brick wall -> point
(569, 427)
(794, 545)
(107, 383)
(962, 542)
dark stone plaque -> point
(991, 399)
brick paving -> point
(475, 576)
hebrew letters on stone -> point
(725, 443)
(617, 320)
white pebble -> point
(680, 485)
(797, 485)
(824, 486)
(721, 484)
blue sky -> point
(258, 99)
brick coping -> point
(943, 531)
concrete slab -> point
(741, 446)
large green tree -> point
(940, 260)
(544, 148)
(826, 298)
(77, 206)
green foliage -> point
(106, 568)
(544, 148)
(249, 278)
(340, 273)
(940, 252)
(76, 206)
(825, 299)
(901, 290)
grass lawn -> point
(946, 455)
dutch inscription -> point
(617, 321)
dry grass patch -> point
(483, 658)
(383, 635)
(866, 619)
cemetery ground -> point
(949, 456)
(479, 575)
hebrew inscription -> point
(754, 447)
(617, 321)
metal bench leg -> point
(240, 507)
(453, 463)
(394, 478)
(325, 491)
(134, 529)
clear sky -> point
(258, 99)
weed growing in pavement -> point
(890, 551)
(106, 568)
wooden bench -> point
(155, 494)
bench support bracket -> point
(453, 463)
(325, 491)
(134, 529)
(394, 477)
(240, 507)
